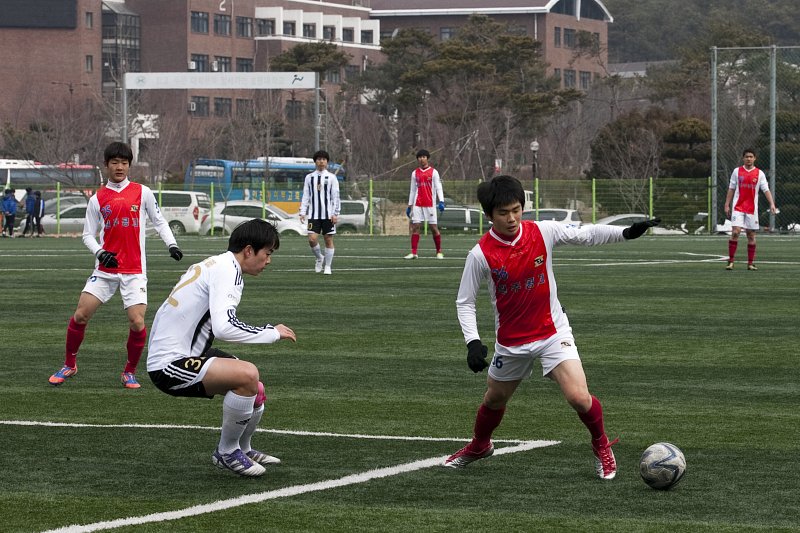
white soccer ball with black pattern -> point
(662, 465)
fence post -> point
(536, 198)
(211, 231)
(369, 206)
(58, 206)
(650, 213)
(594, 200)
(708, 213)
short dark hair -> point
(321, 153)
(257, 233)
(748, 151)
(117, 150)
(500, 191)
(37, 193)
(423, 152)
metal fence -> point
(756, 104)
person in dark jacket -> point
(38, 213)
(30, 203)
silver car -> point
(228, 215)
(72, 218)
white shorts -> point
(744, 220)
(511, 363)
(132, 287)
(423, 214)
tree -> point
(687, 149)
(317, 57)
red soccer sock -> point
(414, 242)
(437, 240)
(135, 348)
(751, 253)
(485, 423)
(75, 333)
(732, 245)
(593, 419)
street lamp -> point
(535, 168)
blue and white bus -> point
(278, 179)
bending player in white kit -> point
(200, 308)
(515, 256)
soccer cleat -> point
(730, 266)
(411, 256)
(327, 270)
(751, 266)
(262, 458)
(237, 462)
(66, 372)
(464, 456)
(605, 463)
(439, 255)
(318, 266)
(129, 380)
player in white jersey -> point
(201, 308)
(515, 257)
(118, 213)
(321, 206)
(743, 188)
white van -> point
(183, 210)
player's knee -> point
(580, 400)
(248, 378)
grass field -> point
(376, 390)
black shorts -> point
(321, 226)
(176, 378)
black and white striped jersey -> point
(320, 196)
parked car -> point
(627, 219)
(72, 218)
(567, 217)
(63, 202)
(354, 217)
(183, 210)
(228, 215)
(462, 219)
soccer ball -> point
(662, 465)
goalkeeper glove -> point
(476, 355)
(637, 229)
(175, 253)
(107, 259)
(408, 211)
(441, 206)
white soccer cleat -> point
(464, 456)
(262, 458)
(327, 270)
(439, 255)
(605, 463)
(318, 266)
(411, 256)
(237, 462)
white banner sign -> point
(220, 80)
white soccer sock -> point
(236, 414)
(244, 440)
(328, 256)
(317, 252)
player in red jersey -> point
(117, 211)
(515, 257)
(743, 188)
(426, 191)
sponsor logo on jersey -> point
(539, 261)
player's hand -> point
(175, 253)
(286, 333)
(476, 355)
(408, 211)
(107, 259)
(637, 229)
(441, 206)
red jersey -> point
(425, 183)
(747, 184)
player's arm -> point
(475, 269)
(335, 199)
(306, 198)
(91, 226)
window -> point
(244, 107)
(294, 109)
(222, 24)
(199, 106)
(351, 72)
(223, 63)
(223, 107)
(557, 75)
(329, 33)
(88, 20)
(333, 76)
(289, 28)
(89, 64)
(265, 26)
(310, 31)
(557, 37)
(569, 78)
(367, 37)
(244, 64)
(199, 22)
(244, 27)
(348, 35)
(586, 79)
(569, 38)
(200, 62)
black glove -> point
(175, 253)
(637, 229)
(107, 259)
(476, 356)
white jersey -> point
(320, 196)
(200, 308)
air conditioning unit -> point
(215, 66)
(192, 65)
(192, 107)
